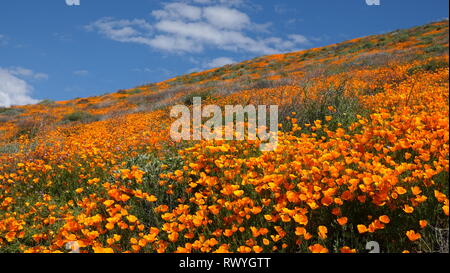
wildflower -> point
(408, 209)
(318, 248)
(238, 193)
(423, 223)
(342, 221)
(362, 228)
(412, 235)
(322, 231)
(347, 249)
(384, 219)
(102, 250)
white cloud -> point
(135, 31)
(284, 9)
(174, 43)
(202, 1)
(157, 70)
(178, 11)
(223, 17)
(27, 73)
(300, 39)
(231, 3)
(3, 40)
(214, 63)
(62, 37)
(196, 25)
(218, 62)
(81, 73)
(13, 90)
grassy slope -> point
(268, 71)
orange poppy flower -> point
(318, 248)
(362, 229)
(384, 219)
(413, 236)
(342, 221)
(423, 223)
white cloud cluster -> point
(214, 63)
(226, 18)
(81, 73)
(218, 62)
(196, 25)
(230, 3)
(27, 73)
(178, 10)
(135, 31)
(3, 40)
(14, 90)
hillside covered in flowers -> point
(363, 155)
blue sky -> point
(49, 50)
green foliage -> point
(309, 109)
(27, 127)
(80, 116)
(431, 66)
(189, 98)
(9, 148)
(439, 49)
(46, 102)
(83, 101)
(10, 111)
(151, 164)
(134, 91)
(262, 83)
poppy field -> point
(362, 155)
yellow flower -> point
(238, 193)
